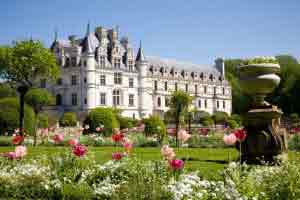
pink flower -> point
(117, 156)
(20, 151)
(167, 152)
(73, 142)
(171, 131)
(58, 138)
(127, 144)
(98, 129)
(17, 139)
(10, 155)
(176, 164)
(230, 139)
(183, 135)
(240, 134)
(79, 150)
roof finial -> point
(140, 55)
(55, 34)
(88, 28)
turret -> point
(220, 66)
(141, 62)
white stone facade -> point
(101, 70)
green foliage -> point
(43, 120)
(232, 124)
(237, 118)
(37, 98)
(294, 142)
(200, 116)
(126, 122)
(9, 116)
(6, 91)
(260, 60)
(197, 141)
(155, 126)
(68, 119)
(220, 117)
(102, 116)
(26, 60)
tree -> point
(220, 117)
(22, 64)
(38, 98)
(68, 119)
(6, 91)
(179, 104)
(155, 126)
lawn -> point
(207, 161)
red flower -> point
(240, 134)
(117, 156)
(117, 137)
(17, 139)
(176, 164)
(79, 150)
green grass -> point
(208, 161)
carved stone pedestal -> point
(265, 139)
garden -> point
(189, 154)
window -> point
(224, 104)
(131, 100)
(58, 99)
(218, 104)
(117, 63)
(59, 81)
(130, 65)
(73, 80)
(116, 97)
(196, 89)
(102, 99)
(205, 89)
(85, 101)
(133, 116)
(74, 99)
(199, 103)
(155, 85)
(102, 80)
(215, 90)
(205, 103)
(84, 80)
(43, 83)
(223, 91)
(67, 62)
(158, 101)
(73, 61)
(186, 87)
(102, 61)
(166, 86)
(167, 102)
(176, 87)
(118, 78)
(131, 82)
(84, 63)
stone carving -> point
(265, 139)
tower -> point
(220, 65)
(88, 60)
(145, 98)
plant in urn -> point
(265, 140)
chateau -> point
(102, 69)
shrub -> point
(237, 118)
(201, 115)
(294, 117)
(6, 91)
(219, 117)
(126, 122)
(9, 116)
(232, 124)
(68, 119)
(102, 116)
(155, 126)
(294, 142)
(43, 120)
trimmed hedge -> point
(9, 116)
(68, 119)
(102, 116)
(43, 120)
(154, 125)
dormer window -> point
(130, 65)
(102, 61)
(117, 63)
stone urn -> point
(265, 138)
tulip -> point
(20, 151)
(73, 142)
(17, 139)
(167, 152)
(79, 150)
(58, 138)
(230, 139)
(117, 156)
(176, 164)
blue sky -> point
(191, 30)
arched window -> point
(116, 97)
(58, 99)
(158, 101)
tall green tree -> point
(38, 98)
(23, 64)
(179, 104)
